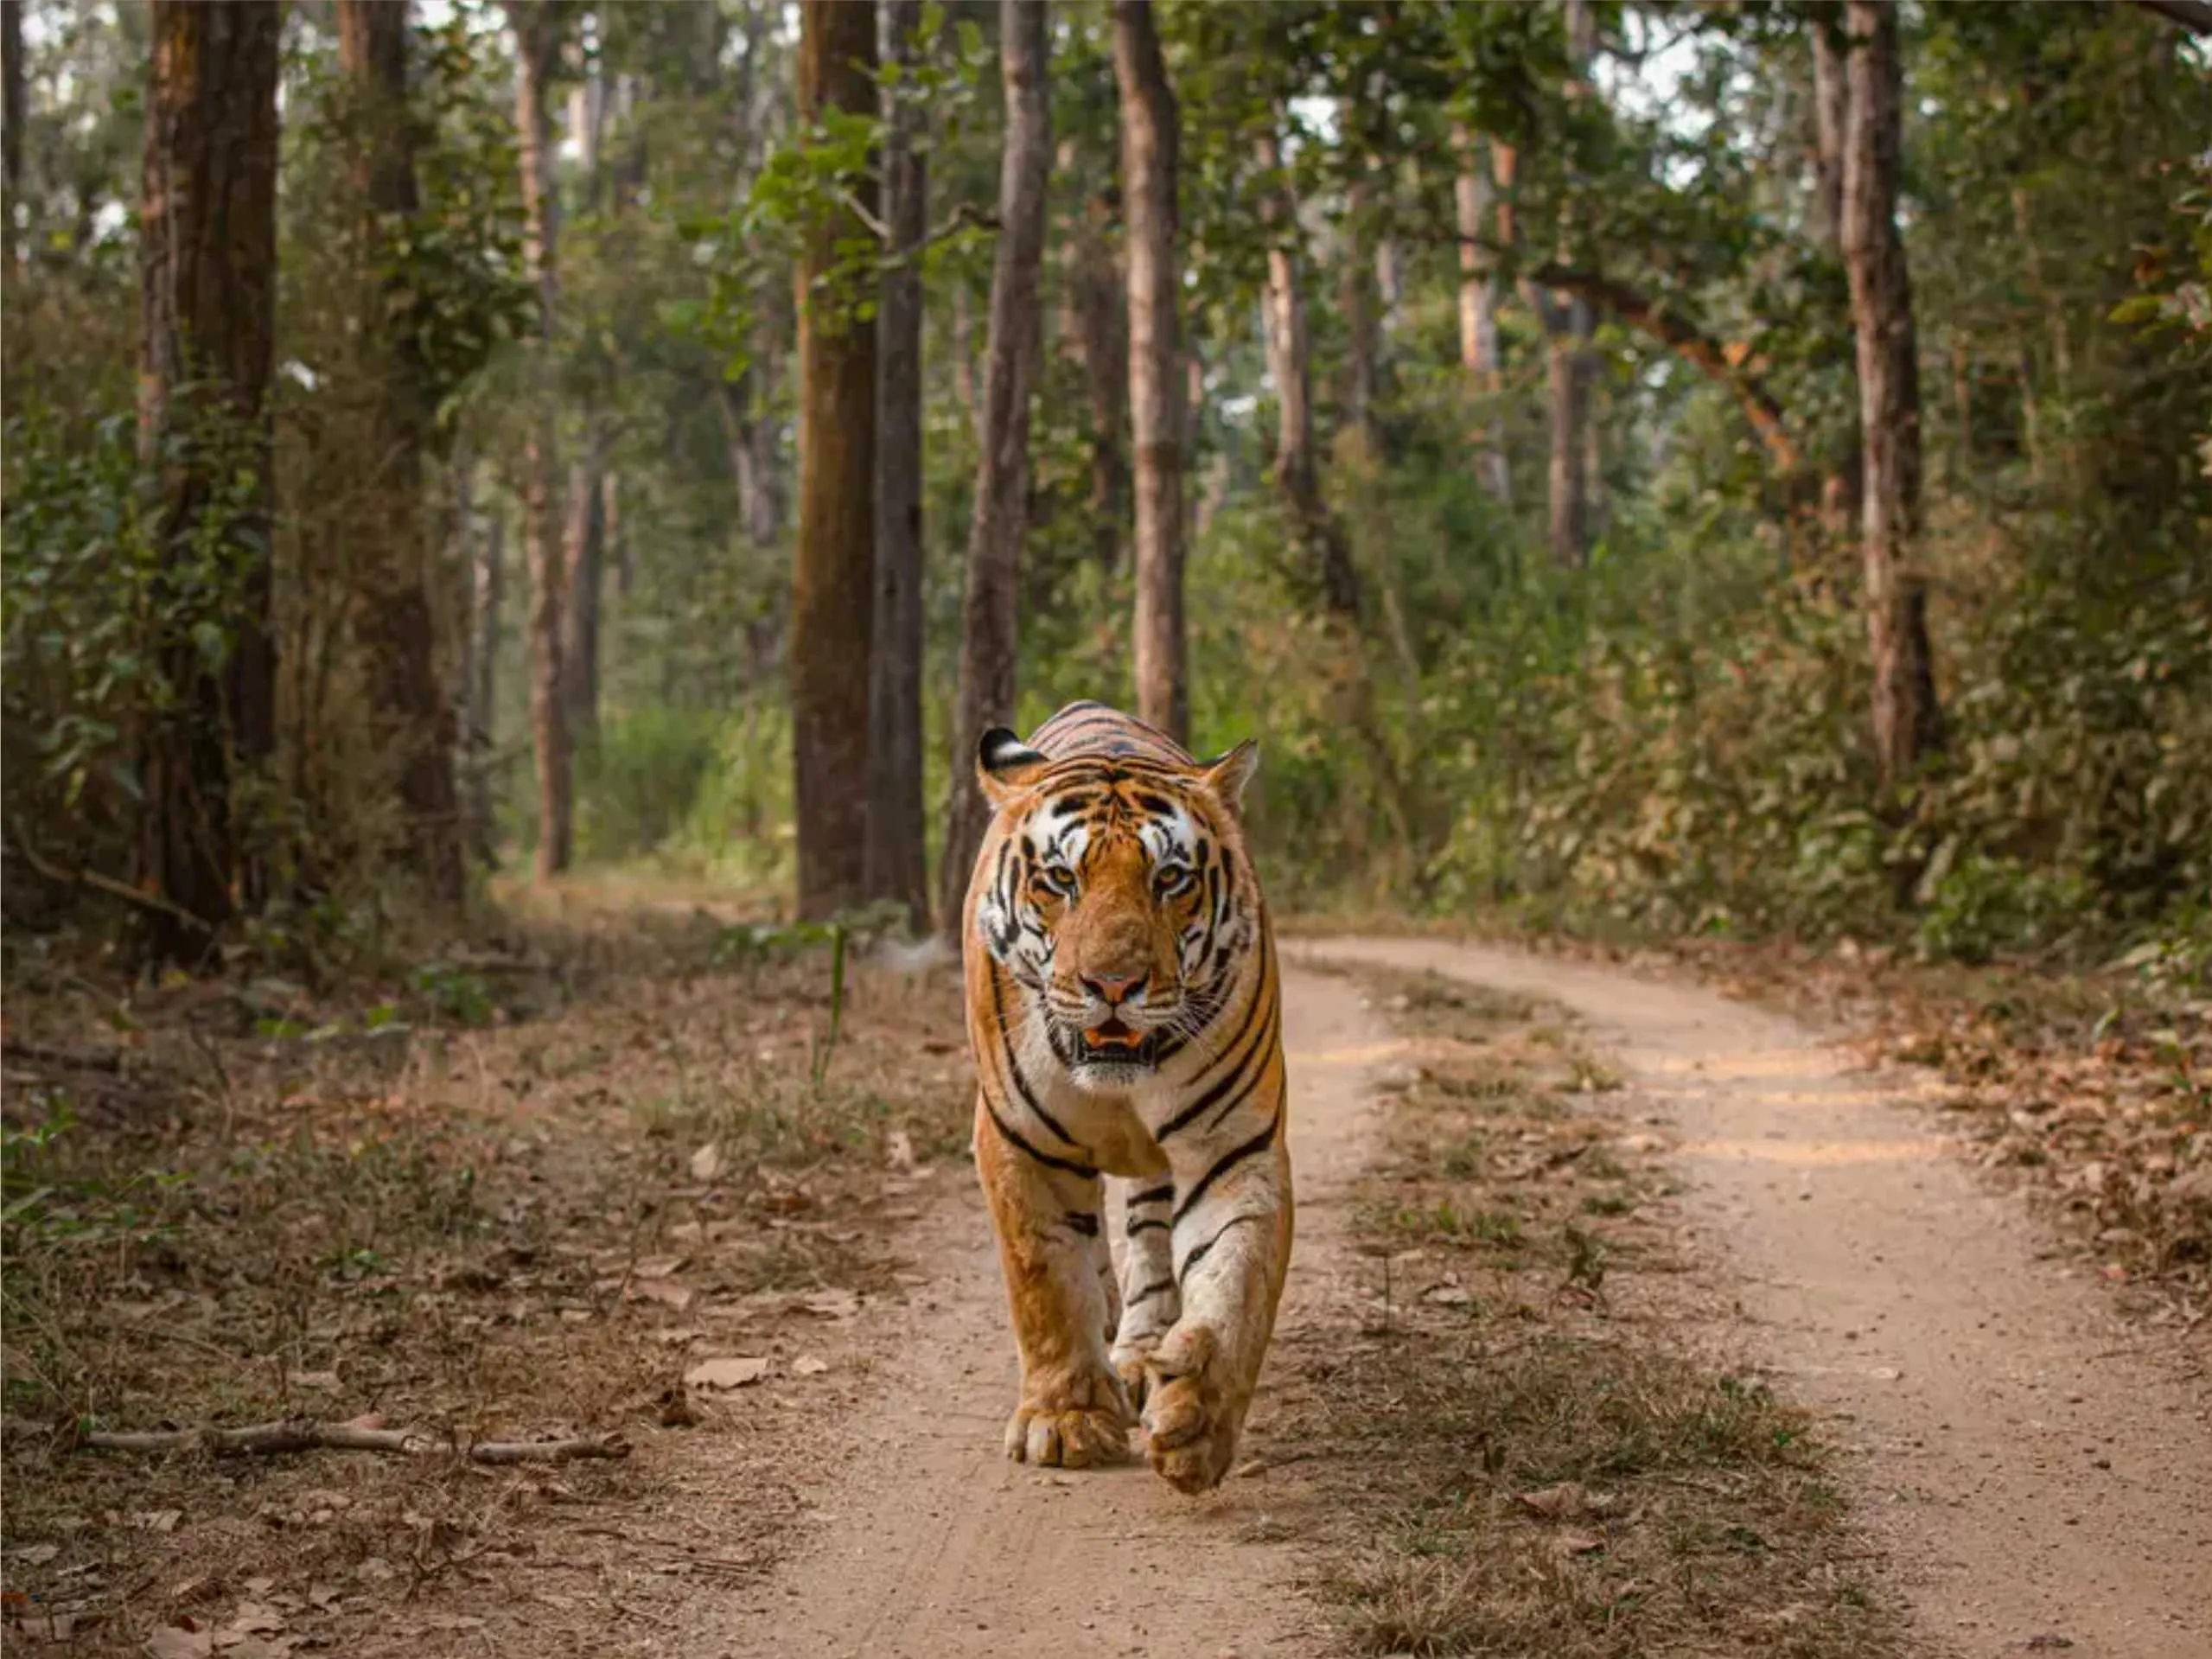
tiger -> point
(1125, 1016)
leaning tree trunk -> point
(1908, 723)
(1474, 195)
(396, 625)
(989, 609)
(897, 853)
(833, 577)
(537, 38)
(1290, 366)
(1150, 142)
(207, 263)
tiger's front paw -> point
(1190, 1418)
(1083, 1423)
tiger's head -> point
(1119, 898)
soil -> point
(2039, 1472)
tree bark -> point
(1474, 198)
(1841, 505)
(14, 109)
(1356, 298)
(1095, 296)
(537, 29)
(489, 621)
(1290, 366)
(208, 241)
(1907, 725)
(397, 624)
(990, 613)
(1151, 143)
(1570, 367)
(833, 577)
(583, 558)
(897, 847)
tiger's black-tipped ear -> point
(1005, 766)
(1228, 774)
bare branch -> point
(273, 1439)
(150, 902)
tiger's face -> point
(1120, 901)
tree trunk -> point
(583, 558)
(1840, 506)
(397, 624)
(1290, 366)
(964, 391)
(897, 863)
(989, 607)
(1474, 198)
(207, 242)
(1150, 141)
(537, 40)
(488, 621)
(1908, 726)
(1095, 294)
(1355, 296)
(1571, 368)
(14, 109)
(834, 578)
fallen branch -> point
(274, 1439)
(70, 1059)
(122, 892)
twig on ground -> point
(78, 1059)
(271, 1440)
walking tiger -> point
(1124, 1011)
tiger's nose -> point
(1114, 988)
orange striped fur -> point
(1124, 1015)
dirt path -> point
(2040, 1482)
(931, 1544)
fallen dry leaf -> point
(666, 1291)
(898, 1151)
(808, 1365)
(707, 1163)
(728, 1372)
(170, 1641)
(831, 1305)
(1559, 1502)
(1581, 1543)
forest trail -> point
(2035, 1482)
(932, 1544)
(2038, 1483)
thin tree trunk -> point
(1474, 198)
(537, 39)
(1098, 292)
(208, 241)
(833, 577)
(396, 625)
(1290, 366)
(1571, 370)
(964, 391)
(990, 613)
(1908, 725)
(1355, 296)
(584, 557)
(14, 108)
(1151, 143)
(897, 849)
(483, 693)
(1840, 506)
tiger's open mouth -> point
(1112, 1040)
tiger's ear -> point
(1005, 766)
(1227, 775)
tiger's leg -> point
(1149, 1301)
(1231, 1232)
(1073, 1411)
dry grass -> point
(510, 1194)
(1522, 1460)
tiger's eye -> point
(1171, 880)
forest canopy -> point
(1697, 469)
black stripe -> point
(1153, 1196)
(1190, 1262)
(1045, 1158)
(1086, 1224)
(1159, 1288)
(1259, 1143)
(1021, 1084)
(1155, 1225)
(1212, 1097)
